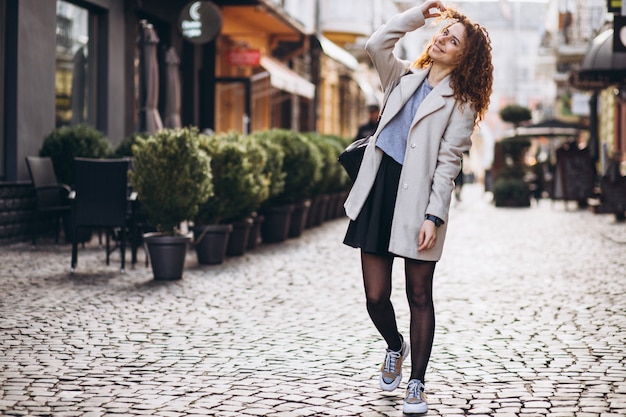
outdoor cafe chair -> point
(51, 196)
(101, 199)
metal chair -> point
(51, 196)
(101, 199)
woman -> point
(400, 200)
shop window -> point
(232, 98)
(76, 65)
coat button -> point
(413, 145)
(405, 186)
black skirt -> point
(371, 230)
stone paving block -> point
(283, 330)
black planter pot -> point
(339, 199)
(319, 214)
(238, 239)
(333, 204)
(299, 218)
(275, 227)
(254, 237)
(167, 255)
(316, 205)
(210, 242)
(323, 209)
(343, 196)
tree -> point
(515, 114)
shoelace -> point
(415, 390)
(390, 361)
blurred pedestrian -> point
(367, 129)
(400, 200)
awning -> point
(284, 78)
(601, 67)
(246, 19)
(337, 53)
(357, 71)
(551, 132)
(547, 128)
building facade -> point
(247, 65)
(66, 62)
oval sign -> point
(200, 22)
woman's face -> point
(447, 45)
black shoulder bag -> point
(352, 156)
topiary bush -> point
(273, 169)
(68, 142)
(329, 166)
(302, 165)
(239, 182)
(515, 114)
(511, 192)
(340, 181)
(172, 177)
(125, 148)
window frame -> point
(97, 64)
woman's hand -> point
(432, 8)
(427, 236)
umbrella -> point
(547, 128)
(149, 117)
(78, 87)
(172, 101)
(601, 66)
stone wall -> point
(18, 215)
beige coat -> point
(438, 136)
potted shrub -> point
(275, 175)
(511, 191)
(64, 144)
(302, 164)
(510, 188)
(172, 177)
(339, 183)
(125, 148)
(323, 200)
(239, 187)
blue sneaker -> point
(415, 400)
(391, 369)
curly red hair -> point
(472, 78)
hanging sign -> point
(200, 22)
(614, 6)
(244, 57)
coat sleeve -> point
(381, 44)
(455, 141)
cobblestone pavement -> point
(531, 321)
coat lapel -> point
(408, 84)
(435, 100)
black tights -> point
(419, 290)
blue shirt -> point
(392, 139)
